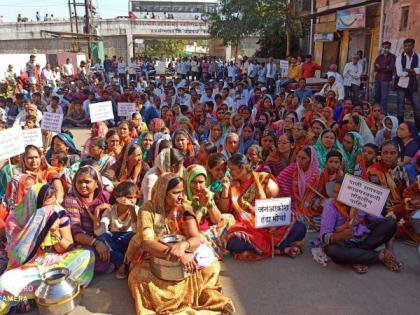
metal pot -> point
(168, 270)
(58, 294)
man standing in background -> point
(384, 68)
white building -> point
(167, 9)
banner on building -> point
(352, 18)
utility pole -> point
(87, 24)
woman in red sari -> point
(244, 240)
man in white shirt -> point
(332, 72)
(68, 69)
(47, 75)
(351, 74)
(208, 96)
(408, 67)
(54, 106)
(132, 70)
(184, 68)
(183, 98)
(270, 75)
(333, 85)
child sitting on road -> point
(115, 225)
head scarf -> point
(163, 161)
(306, 177)
(192, 172)
(218, 142)
(156, 124)
(144, 153)
(121, 163)
(350, 158)
(68, 140)
(380, 134)
(245, 144)
(100, 195)
(365, 132)
(225, 151)
(322, 152)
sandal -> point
(390, 261)
(122, 272)
(360, 269)
(248, 256)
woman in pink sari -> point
(99, 129)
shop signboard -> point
(353, 18)
(324, 37)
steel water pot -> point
(58, 294)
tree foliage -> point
(164, 48)
(271, 20)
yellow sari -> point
(198, 294)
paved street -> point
(284, 285)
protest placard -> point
(273, 212)
(362, 195)
(33, 137)
(52, 122)
(284, 67)
(11, 143)
(126, 109)
(101, 111)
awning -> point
(333, 10)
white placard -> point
(126, 109)
(284, 67)
(273, 212)
(11, 143)
(33, 136)
(362, 195)
(52, 122)
(101, 111)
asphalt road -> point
(288, 286)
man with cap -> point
(384, 68)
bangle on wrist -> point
(94, 242)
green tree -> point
(271, 20)
(164, 48)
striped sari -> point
(31, 250)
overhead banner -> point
(352, 18)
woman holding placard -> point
(347, 238)
(244, 240)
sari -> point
(406, 230)
(301, 187)
(192, 148)
(78, 207)
(350, 158)
(243, 197)
(321, 151)
(6, 176)
(145, 154)
(364, 131)
(101, 130)
(213, 234)
(200, 293)
(31, 252)
(395, 179)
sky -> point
(59, 8)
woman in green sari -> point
(352, 148)
(212, 224)
(326, 142)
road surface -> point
(286, 286)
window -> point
(404, 18)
